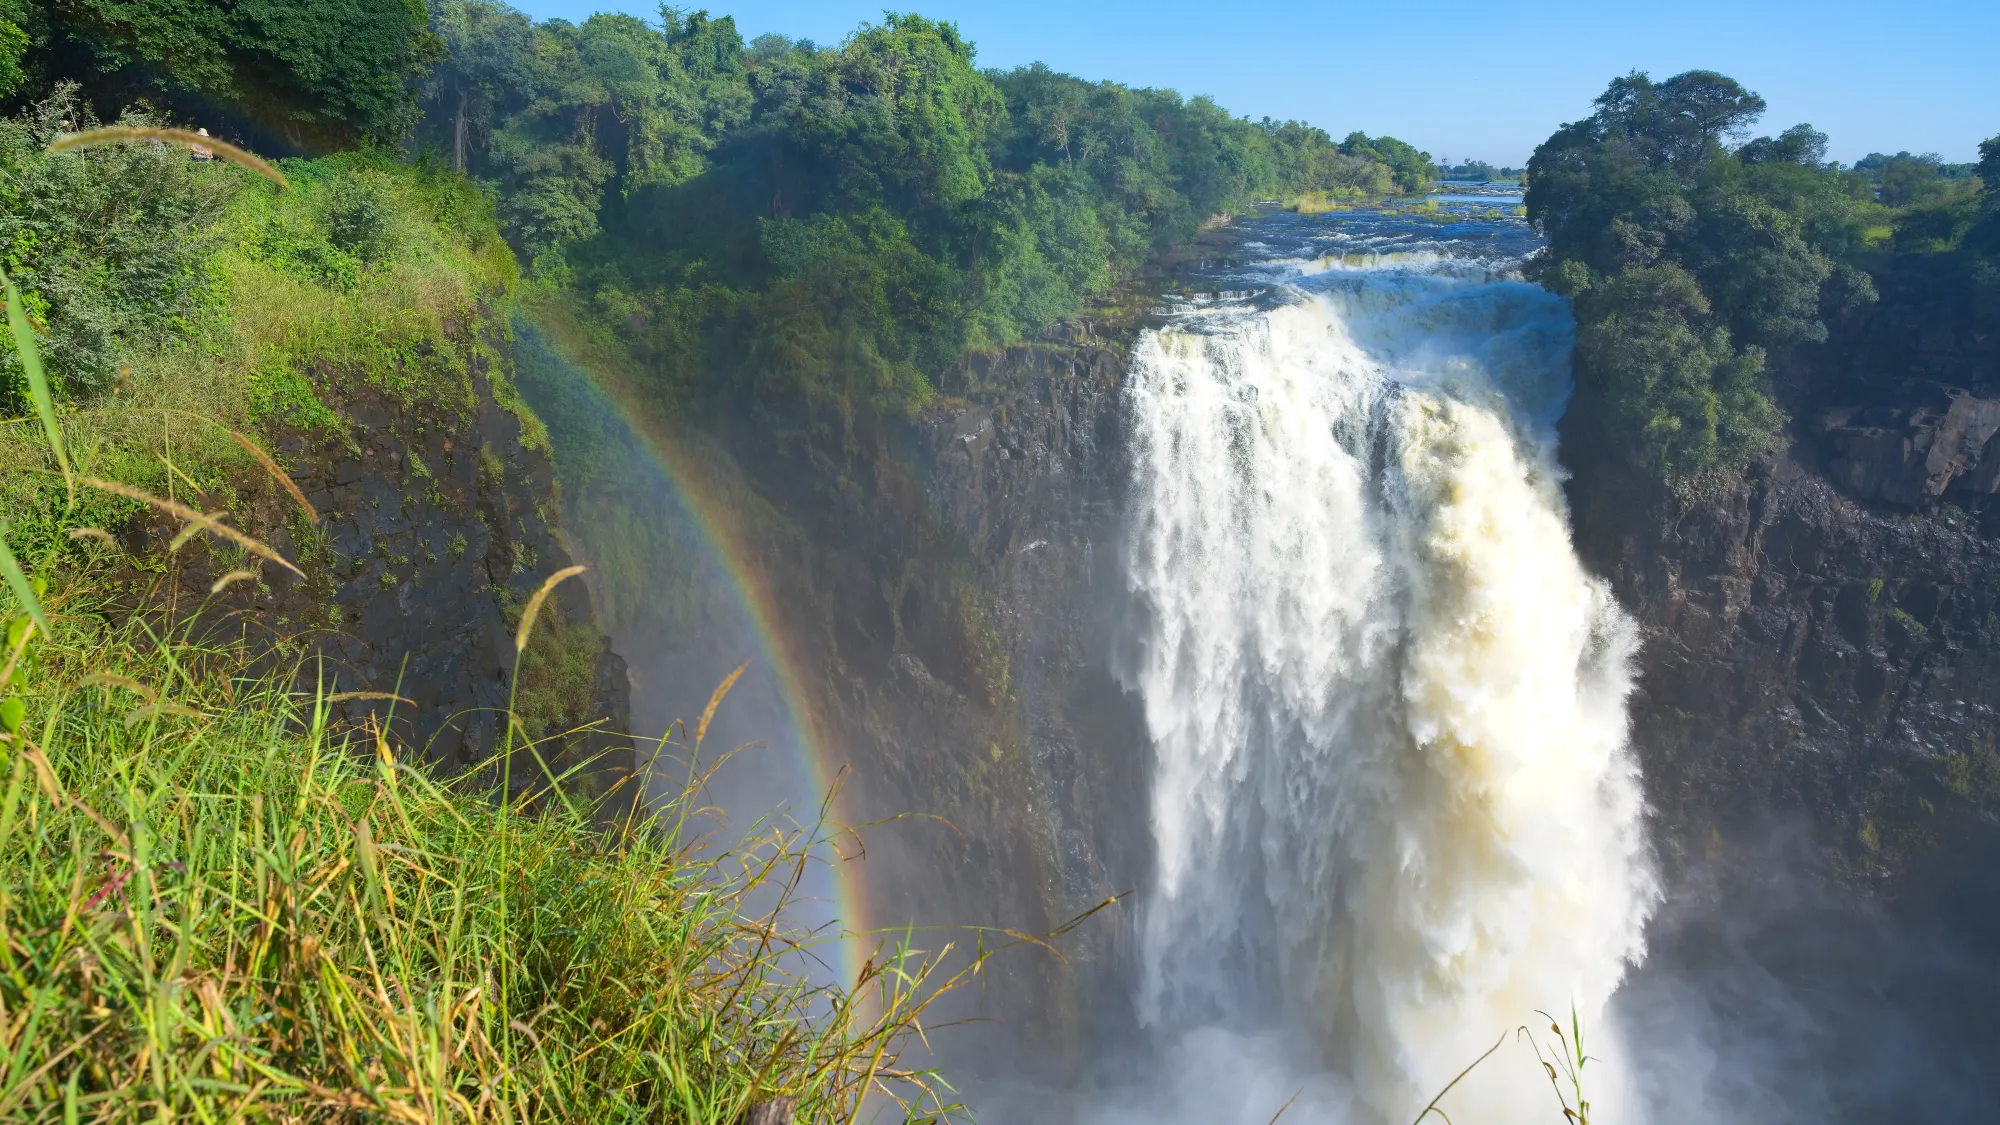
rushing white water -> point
(1392, 805)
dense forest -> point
(784, 215)
(753, 218)
(1701, 261)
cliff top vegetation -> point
(178, 301)
(774, 219)
(217, 901)
(1700, 259)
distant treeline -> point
(1474, 170)
(752, 218)
(1700, 261)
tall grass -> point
(214, 905)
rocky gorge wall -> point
(1812, 651)
(1822, 639)
(953, 580)
(1819, 640)
(438, 520)
(1815, 716)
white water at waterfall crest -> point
(1393, 808)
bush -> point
(110, 247)
(1666, 379)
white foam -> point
(1393, 808)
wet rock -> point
(1811, 646)
(435, 520)
(1913, 454)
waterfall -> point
(1392, 805)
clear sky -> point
(1486, 80)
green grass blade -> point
(18, 582)
(38, 382)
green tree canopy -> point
(1412, 169)
(304, 77)
(1692, 264)
(843, 220)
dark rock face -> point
(1822, 638)
(436, 520)
(1913, 454)
(958, 577)
(1806, 652)
(1817, 716)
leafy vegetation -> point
(111, 249)
(1903, 179)
(180, 302)
(286, 76)
(779, 218)
(1477, 171)
(216, 904)
(1697, 264)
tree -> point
(1800, 144)
(484, 73)
(13, 45)
(1677, 124)
(839, 221)
(1692, 266)
(308, 77)
(1676, 394)
(1412, 169)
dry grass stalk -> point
(127, 134)
(206, 523)
(277, 474)
(535, 604)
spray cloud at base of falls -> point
(1392, 805)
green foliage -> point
(1411, 169)
(1688, 398)
(553, 112)
(366, 272)
(319, 76)
(1692, 264)
(13, 45)
(110, 246)
(786, 219)
(1902, 180)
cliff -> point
(957, 575)
(1820, 638)
(438, 519)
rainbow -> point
(720, 536)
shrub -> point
(1665, 378)
(110, 246)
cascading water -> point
(1392, 806)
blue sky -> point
(1487, 80)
